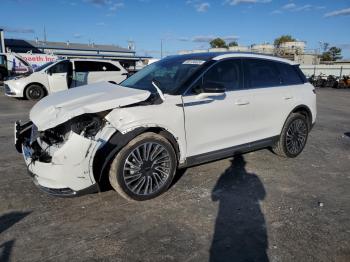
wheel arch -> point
(117, 141)
(302, 109)
(34, 83)
(305, 111)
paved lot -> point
(257, 207)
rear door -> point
(88, 72)
(58, 76)
(271, 95)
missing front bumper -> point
(65, 192)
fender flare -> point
(298, 109)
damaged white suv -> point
(178, 112)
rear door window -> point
(289, 74)
(61, 67)
(261, 73)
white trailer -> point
(12, 64)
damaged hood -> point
(59, 107)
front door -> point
(221, 121)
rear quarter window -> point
(289, 74)
(261, 73)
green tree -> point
(218, 43)
(233, 43)
(332, 54)
(282, 39)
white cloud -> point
(99, 2)
(203, 38)
(207, 38)
(304, 8)
(202, 7)
(111, 5)
(77, 35)
(116, 6)
(230, 38)
(199, 5)
(276, 12)
(289, 6)
(341, 12)
(292, 7)
(237, 2)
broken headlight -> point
(87, 125)
(56, 135)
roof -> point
(19, 43)
(222, 55)
(254, 55)
(104, 56)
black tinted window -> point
(91, 66)
(289, 74)
(226, 73)
(261, 73)
(61, 67)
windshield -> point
(43, 66)
(168, 74)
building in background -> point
(295, 51)
(126, 56)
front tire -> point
(144, 168)
(34, 92)
(293, 136)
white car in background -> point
(178, 112)
(62, 75)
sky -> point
(178, 24)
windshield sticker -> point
(193, 62)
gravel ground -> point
(255, 207)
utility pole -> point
(2, 41)
(45, 34)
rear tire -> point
(144, 168)
(293, 136)
(34, 92)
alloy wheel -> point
(296, 136)
(35, 93)
(147, 168)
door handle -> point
(241, 102)
(288, 97)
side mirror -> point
(49, 72)
(211, 89)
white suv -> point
(62, 75)
(178, 112)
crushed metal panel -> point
(62, 106)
